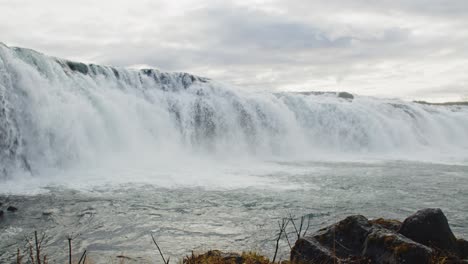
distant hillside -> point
(446, 103)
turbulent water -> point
(116, 153)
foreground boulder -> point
(430, 227)
(424, 237)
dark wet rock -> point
(390, 224)
(462, 103)
(345, 95)
(116, 73)
(147, 72)
(347, 236)
(356, 239)
(430, 227)
(384, 246)
(462, 248)
(336, 243)
(78, 66)
(12, 209)
(310, 250)
(97, 69)
(187, 80)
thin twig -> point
(69, 249)
(19, 258)
(300, 228)
(38, 249)
(42, 239)
(287, 239)
(82, 256)
(160, 252)
(294, 225)
(308, 225)
(282, 226)
(31, 252)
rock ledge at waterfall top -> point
(424, 237)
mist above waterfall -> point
(58, 115)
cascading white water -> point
(60, 114)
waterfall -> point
(56, 113)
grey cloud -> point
(243, 36)
(453, 88)
(235, 26)
(361, 46)
(432, 8)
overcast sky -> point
(411, 49)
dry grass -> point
(218, 257)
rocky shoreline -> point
(424, 237)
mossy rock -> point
(383, 246)
(390, 224)
(338, 243)
(424, 237)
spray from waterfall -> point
(58, 114)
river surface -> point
(110, 219)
